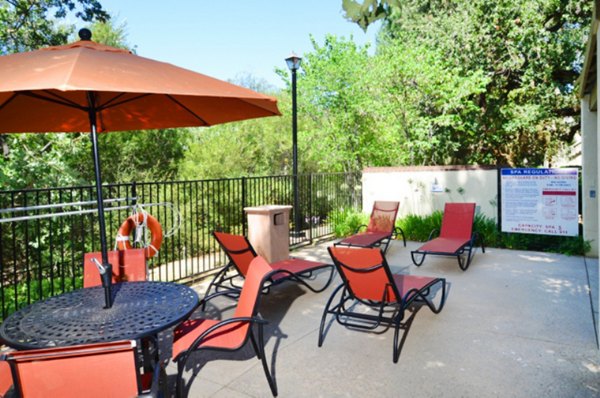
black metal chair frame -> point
(468, 247)
(257, 344)
(343, 313)
(224, 282)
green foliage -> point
(488, 229)
(238, 149)
(109, 32)
(339, 108)
(16, 297)
(40, 160)
(152, 155)
(347, 221)
(369, 11)
(553, 244)
(426, 107)
(418, 228)
(479, 82)
(450, 82)
(27, 25)
(54, 160)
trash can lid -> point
(267, 209)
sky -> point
(228, 39)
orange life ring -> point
(130, 223)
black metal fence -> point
(45, 232)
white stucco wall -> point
(589, 187)
(412, 186)
(589, 93)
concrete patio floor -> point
(515, 324)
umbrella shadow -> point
(272, 307)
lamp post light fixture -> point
(293, 63)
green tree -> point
(426, 107)
(337, 125)
(51, 160)
(27, 25)
(111, 33)
(40, 160)
(405, 105)
(128, 156)
(530, 53)
(369, 11)
(246, 148)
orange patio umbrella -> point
(90, 87)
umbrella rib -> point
(257, 105)
(108, 103)
(57, 99)
(111, 103)
(64, 101)
(188, 110)
(8, 101)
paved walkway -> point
(515, 324)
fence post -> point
(310, 208)
(244, 204)
(133, 194)
(499, 196)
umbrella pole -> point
(106, 276)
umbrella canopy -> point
(47, 91)
(86, 86)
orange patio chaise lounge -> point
(371, 296)
(380, 230)
(241, 253)
(456, 236)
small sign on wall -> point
(540, 201)
(436, 188)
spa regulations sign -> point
(540, 201)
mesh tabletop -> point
(139, 309)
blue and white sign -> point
(540, 201)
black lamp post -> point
(293, 62)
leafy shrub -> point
(28, 292)
(419, 228)
(345, 222)
(570, 245)
(488, 229)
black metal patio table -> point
(140, 309)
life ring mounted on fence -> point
(131, 223)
